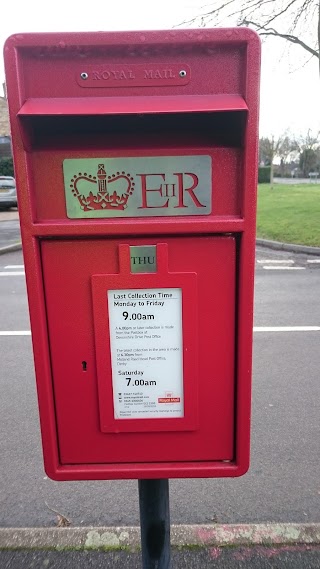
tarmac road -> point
(283, 482)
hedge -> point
(264, 173)
(6, 167)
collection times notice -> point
(146, 353)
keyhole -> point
(84, 366)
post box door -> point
(68, 269)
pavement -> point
(10, 238)
(295, 181)
(293, 557)
(258, 546)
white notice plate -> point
(146, 353)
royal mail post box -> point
(136, 160)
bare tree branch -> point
(296, 15)
(272, 32)
(206, 17)
(268, 22)
(302, 12)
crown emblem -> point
(111, 192)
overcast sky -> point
(290, 87)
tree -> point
(309, 148)
(292, 20)
(271, 148)
(308, 161)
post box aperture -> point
(136, 164)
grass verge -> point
(289, 213)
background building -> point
(5, 138)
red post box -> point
(136, 165)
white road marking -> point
(282, 268)
(313, 260)
(12, 273)
(255, 329)
(275, 261)
(14, 267)
(286, 329)
(15, 333)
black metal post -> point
(155, 523)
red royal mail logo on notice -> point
(138, 187)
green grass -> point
(289, 213)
